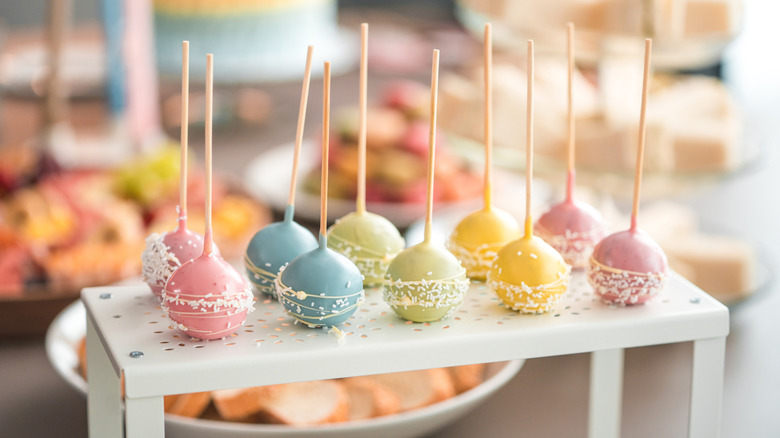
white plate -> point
(268, 176)
(69, 328)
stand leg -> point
(606, 392)
(104, 400)
(144, 417)
(707, 388)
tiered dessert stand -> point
(127, 335)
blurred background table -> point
(549, 396)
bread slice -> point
(466, 377)
(169, 401)
(307, 403)
(237, 404)
(416, 389)
(369, 399)
(190, 405)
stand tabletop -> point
(271, 348)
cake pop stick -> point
(431, 147)
(629, 267)
(325, 147)
(570, 134)
(166, 252)
(529, 141)
(208, 240)
(280, 242)
(426, 282)
(369, 240)
(363, 102)
(572, 228)
(321, 288)
(301, 122)
(529, 275)
(185, 120)
(640, 154)
(477, 238)
(488, 116)
(206, 297)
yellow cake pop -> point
(476, 240)
(528, 274)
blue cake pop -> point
(280, 242)
(321, 288)
(273, 247)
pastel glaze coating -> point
(164, 253)
(627, 268)
(425, 283)
(370, 241)
(320, 288)
(273, 247)
(477, 238)
(207, 298)
(529, 275)
(573, 229)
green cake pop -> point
(426, 282)
(368, 239)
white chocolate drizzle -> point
(158, 262)
(531, 299)
(624, 287)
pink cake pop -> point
(206, 297)
(572, 228)
(165, 252)
(628, 267)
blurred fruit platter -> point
(62, 230)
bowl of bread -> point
(406, 404)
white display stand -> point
(127, 334)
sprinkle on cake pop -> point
(165, 252)
(369, 240)
(572, 228)
(529, 275)
(206, 297)
(321, 288)
(278, 243)
(628, 267)
(426, 282)
(478, 237)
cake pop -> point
(206, 297)
(368, 239)
(628, 267)
(278, 243)
(321, 288)
(165, 252)
(528, 274)
(572, 228)
(426, 282)
(478, 237)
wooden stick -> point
(642, 132)
(488, 114)
(432, 145)
(529, 140)
(325, 141)
(301, 123)
(208, 239)
(570, 115)
(361, 187)
(185, 120)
